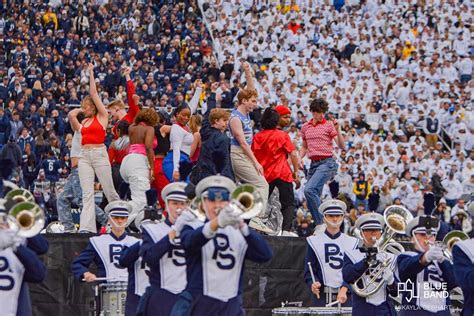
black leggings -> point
(287, 200)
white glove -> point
(7, 238)
(18, 241)
(227, 216)
(184, 217)
(435, 253)
(381, 257)
(388, 276)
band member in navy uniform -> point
(39, 245)
(358, 263)
(162, 251)
(425, 276)
(463, 262)
(105, 250)
(215, 252)
(137, 277)
(325, 254)
(18, 264)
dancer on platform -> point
(137, 167)
(162, 134)
(72, 192)
(177, 163)
(246, 167)
(272, 147)
(117, 107)
(318, 135)
(215, 149)
(94, 159)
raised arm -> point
(193, 104)
(75, 125)
(133, 108)
(101, 110)
(248, 75)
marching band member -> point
(325, 253)
(164, 255)
(425, 275)
(137, 277)
(18, 264)
(104, 250)
(358, 262)
(40, 246)
(463, 263)
(215, 253)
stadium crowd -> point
(397, 76)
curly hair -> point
(319, 105)
(246, 94)
(147, 116)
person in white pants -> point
(137, 167)
(94, 160)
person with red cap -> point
(285, 116)
(271, 147)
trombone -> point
(396, 219)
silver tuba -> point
(396, 219)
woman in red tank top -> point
(94, 160)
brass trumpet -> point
(396, 219)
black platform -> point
(265, 286)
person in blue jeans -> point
(318, 136)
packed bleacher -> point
(397, 76)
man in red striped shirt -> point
(117, 108)
(318, 136)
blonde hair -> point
(216, 114)
(119, 103)
(195, 123)
(246, 94)
(88, 101)
(37, 85)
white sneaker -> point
(285, 233)
(257, 224)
